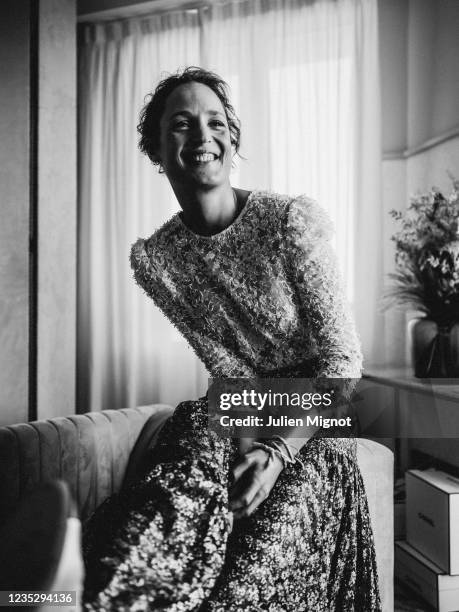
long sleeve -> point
(319, 289)
(153, 275)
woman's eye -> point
(180, 125)
(217, 123)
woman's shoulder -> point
(269, 201)
(307, 220)
(146, 252)
(301, 215)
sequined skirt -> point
(169, 543)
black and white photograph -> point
(229, 305)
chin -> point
(198, 177)
(208, 181)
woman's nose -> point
(201, 133)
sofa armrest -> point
(146, 440)
(376, 463)
(90, 452)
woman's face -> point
(195, 139)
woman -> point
(249, 280)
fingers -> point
(243, 465)
(250, 459)
(242, 473)
(258, 499)
(244, 496)
(244, 445)
(250, 487)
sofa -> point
(99, 452)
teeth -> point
(204, 157)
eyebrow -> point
(213, 113)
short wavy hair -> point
(151, 113)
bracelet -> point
(288, 446)
(273, 448)
(292, 458)
(271, 453)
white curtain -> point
(304, 80)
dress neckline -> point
(235, 222)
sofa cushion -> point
(146, 440)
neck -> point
(208, 212)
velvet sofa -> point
(97, 452)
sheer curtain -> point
(304, 81)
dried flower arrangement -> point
(427, 257)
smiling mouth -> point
(201, 158)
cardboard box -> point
(432, 517)
(425, 578)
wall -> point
(433, 56)
(393, 28)
(38, 195)
(57, 210)
(14, 228)
(419, 55)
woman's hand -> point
(253, 479)
(244, 445)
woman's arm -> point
(318, 290)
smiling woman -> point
(195, 143)
(195, 152)
(150, 124)
(250, 281)
(190, 129)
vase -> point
(435, 349)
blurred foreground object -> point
(40, 549)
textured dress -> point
(262, 296)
